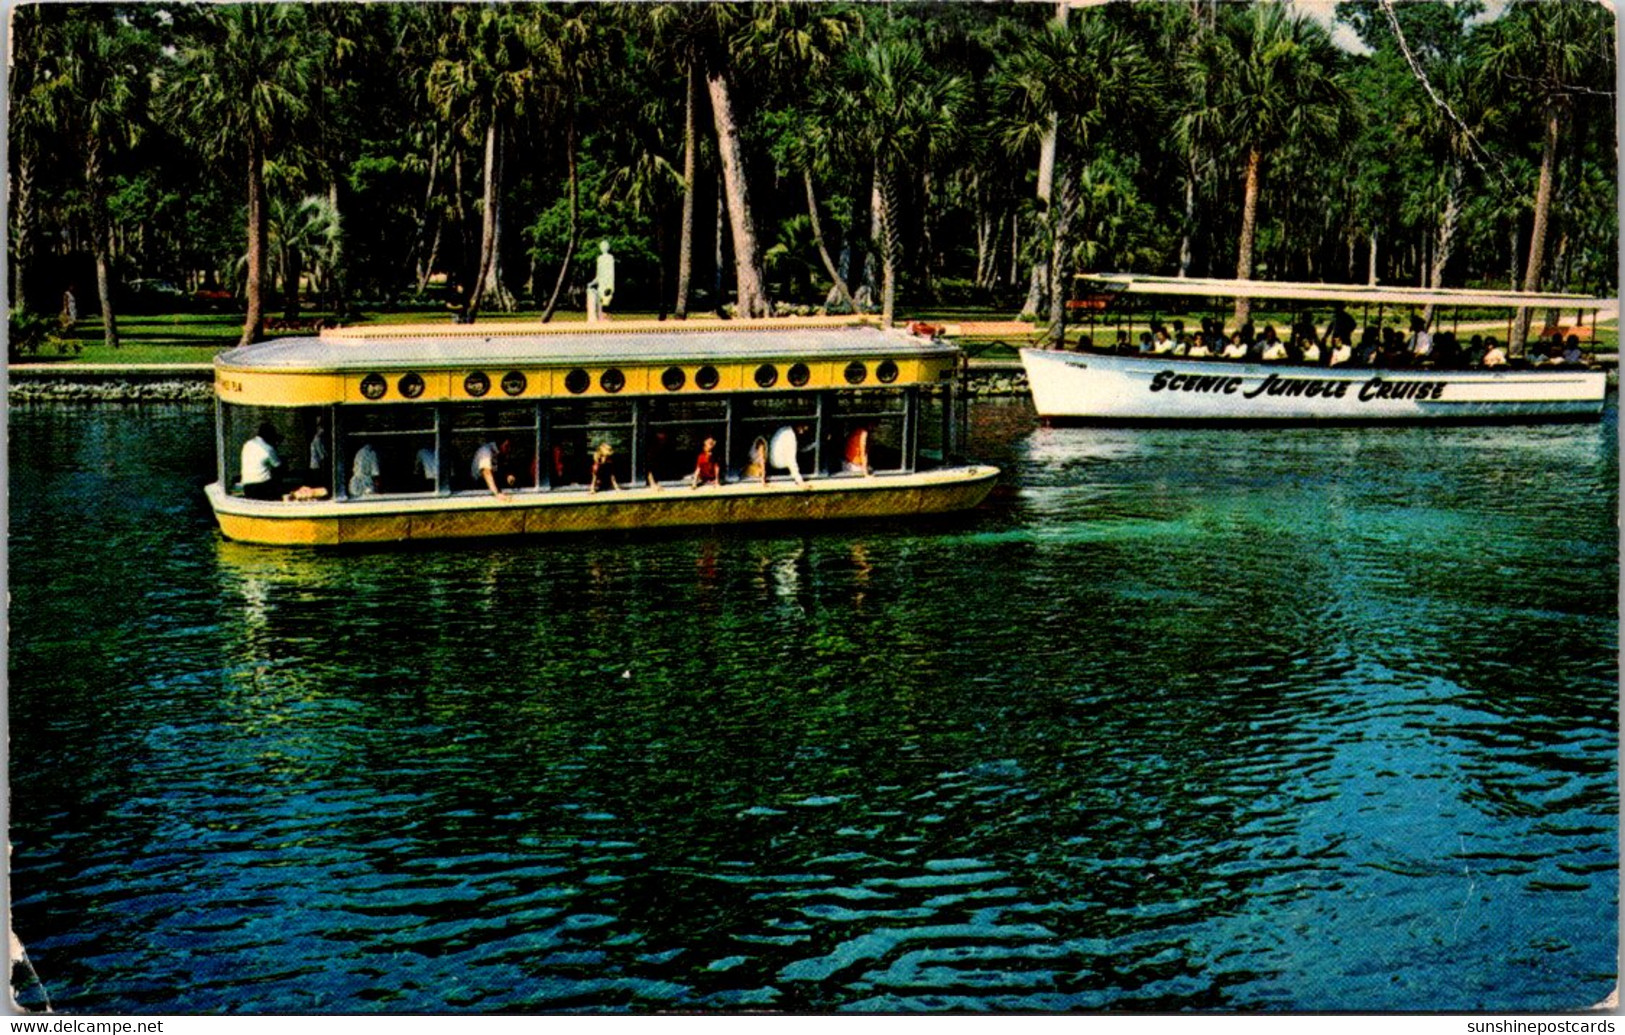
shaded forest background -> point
(271, 157)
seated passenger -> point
(603, 468)
(1198, 347)
(1370, 350)
(1341, 354)
(707, 471)
(756, 464)
(427, 466)
(1273, 351)
(1311, 351)
(855, 458)
(261, 466)
(1123, 344)
(1161, 344)
(1420, 346)
(1145, 343)
(364, 472)
(487, 466)
(1494, 354)
(1237, 349)
(1571, 352)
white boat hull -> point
(1104, 388)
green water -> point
(1303, 720)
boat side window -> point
(296, 430)
(386, 450)
(868, 428)
(575, 430)
(759, 416)
(677, 430)
(472, 425)
(934, 417)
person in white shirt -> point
(261, 466)
(1273, 352)
(364, 472)
(427, 466)
(487, 460)
(1341, 353)
(1421, 341)
(783, 450)
(1237, 349)
(1161, 344)
(1494, 354)
(1198, 349)
(1311, 351)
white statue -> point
(601, 292)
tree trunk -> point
(1063, 210)
(1371, 260)
(1187, 247)
(1249, 225)
(685, 245)
(575, 221)
(1537, 235)
(101, 239)
(750, 291)
(823, 249)
(22, 212)
(488, 281)
(254, 319)
(1449, 219)
(889, 243)
(425, 266)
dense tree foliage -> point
(765, 155)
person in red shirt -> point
(706, 469)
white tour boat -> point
(1103, 386)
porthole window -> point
(577, 381)
(673, 379)
(856, 372)
(411, 385)
(373, 386)
(476, 384)
(707, 377)
(886, 371)
(514, 383)
(612, 380)
(767, 375)
(800, 374)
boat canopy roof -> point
(627, 342)
(1375, 294)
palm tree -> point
(1081, 79)
(240, 83)
(481, 81)
(92, 95)
(1551, 53)
(913, 114)
(1280, 86)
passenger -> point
(364, 472)
(855, 459)
(1161, 344)
(756, 465)
(1446, 351)
(1237, 349)
(262, 468)
(1341, 354)
(783, 453)
(603, 468)
(1273, 351)
(1571, 352)
(427, 466)
(1123, 344)
(1145, 343)
(1370, 351)
(1310, 352)
(706, 469)
(1085, 343)
(1420, 346)
(1474, 355)
(319, 454)
(1199, 349)
(1182, 345)
(1342, 326)
(1494, 354)
(489, 461)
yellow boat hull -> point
(339, 523)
